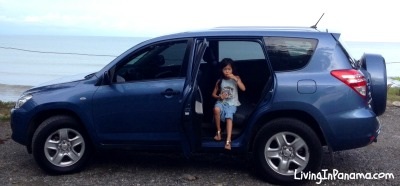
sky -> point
(356, 20)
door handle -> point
(169, 93)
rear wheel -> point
(60, 145)
(284, 147)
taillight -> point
(352, 78)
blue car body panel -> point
(139, 114)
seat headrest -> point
(209, 56)
(160, 60)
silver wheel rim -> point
(286, 152)
(64, 147)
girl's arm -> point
(215, 91)
(239, 83)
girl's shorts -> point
(227, 110)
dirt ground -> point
(17, 167)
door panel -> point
(143, 103)
(191, 121)
(139, 111)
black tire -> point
(278, 137)
(376, 67)
(63, 137)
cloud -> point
(357, 21)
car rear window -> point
(287, 53)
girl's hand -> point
(231, 76)
(224, 96)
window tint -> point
(240, 50)
(289, 53)
(174, 54)
(163, 60)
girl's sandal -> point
(228, 145)
(217, 137)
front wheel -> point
(60, 145)
(284, 147)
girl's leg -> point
(228, 133)
(217, 118)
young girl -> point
(226, 93)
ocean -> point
(32, 60)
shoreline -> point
(12, 92)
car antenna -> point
(315, 26)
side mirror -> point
(106, 78)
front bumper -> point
(19, 126)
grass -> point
(5, 108)
(393, 94)
(396, 78)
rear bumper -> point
(374, 138)
(354, 129)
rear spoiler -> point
(336, 36)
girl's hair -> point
(225, 62)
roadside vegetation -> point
(396, 78)
(394, 91)
(393, 94)
(5, 108)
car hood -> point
(64, 82)
(65, 79)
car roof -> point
(257, 29)
(238, 31)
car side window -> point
(240, 50)
(287, 53)
(159, 61)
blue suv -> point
(303, 91)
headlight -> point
(22, 100)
